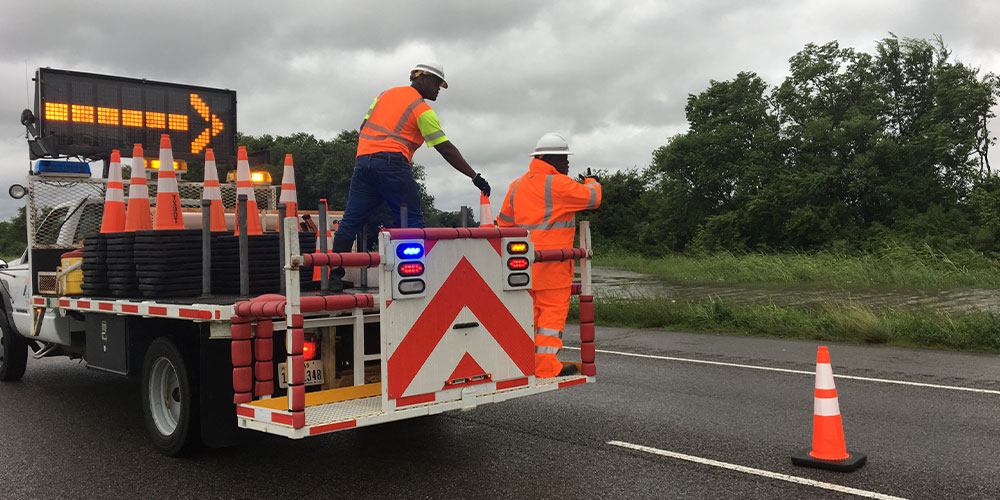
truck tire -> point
(13, 353)
(169, 399)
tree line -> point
(850, 150)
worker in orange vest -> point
(397, 123)
(545, 201)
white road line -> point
(801, 372)
(758, 472)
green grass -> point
(837, 322)
(893, 265)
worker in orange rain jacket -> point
(545, 201)
(397, 123)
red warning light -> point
(411, 269)
(517, 263)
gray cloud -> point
(612, 76)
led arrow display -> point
(89, 115)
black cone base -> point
(852, 462)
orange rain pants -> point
(551, 308)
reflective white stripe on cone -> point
(288, 195)
(244, 185)
(211, 191)
(829, 449)
(113, 220)
(168, 200)
(138, 217)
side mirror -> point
(17, 191)
(3, 264)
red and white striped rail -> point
(146, 308)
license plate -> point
(314, 373)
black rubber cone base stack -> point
(853, 461)
(307, 244)
(265, 274)
(121, 266)
(265, 258)
(168, 262)
(95, 265)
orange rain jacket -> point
(399, 120)
(545, 202)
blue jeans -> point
(380, 177)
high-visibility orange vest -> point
(545, 202)
(392, 124)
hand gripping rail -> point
(252, 363)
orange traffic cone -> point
(829, 451)
(485, 212)
(137, 218)
(168, 200)
(211, 191)
(288, 190)
(113, 220)
(244, 185)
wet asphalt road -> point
(70, 432)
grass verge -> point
(836, 322)
(892, 265)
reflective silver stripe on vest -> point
(548, 197)
(546, 350)
(593, 196)
(435, 135)
(511, 200)
(549, 331)
(393, 134)
(562, 224)
(408, 143)
(504, 217)
(406, 114)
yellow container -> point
(70, 282)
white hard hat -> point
(432, 68)
(551, 144)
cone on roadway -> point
(829, 450)
(137, 217)
(168, 200)
(288, 196)
(244, 185)
(211, 191)
(485, 212)
(113, 220)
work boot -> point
(340, 245)
(567, 369)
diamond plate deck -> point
(343, 410)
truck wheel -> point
(13, 353)
(169, 399)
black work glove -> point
(583, 177)
(481, 184)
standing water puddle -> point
(612, 282)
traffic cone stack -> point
(211, 191)
(288, 196)
(485, 212)
(137, 217)
(113, 220)
(244, 185)
(829, 450)
(168, 200)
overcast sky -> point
(611, 76)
